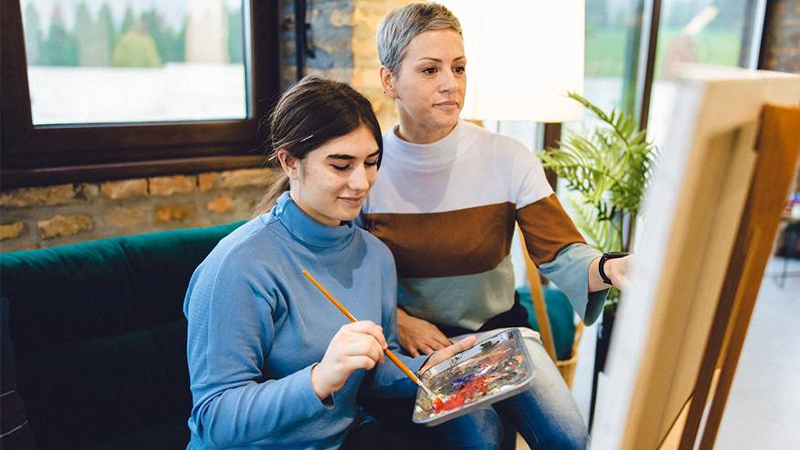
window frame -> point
(51, 154)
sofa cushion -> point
(561, 314)
(99, 334)
(15, 430)
(104, 287)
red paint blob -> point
(468, 391)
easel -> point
(778, 146)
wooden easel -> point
(778, 146)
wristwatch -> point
(606, 256)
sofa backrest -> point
(99, 335)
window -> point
(152, 87)
(706, 32)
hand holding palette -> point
(492, 370)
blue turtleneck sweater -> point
(257, 326)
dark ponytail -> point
(307, 116)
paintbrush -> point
(388, 352)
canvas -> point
(691, 216)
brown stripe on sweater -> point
(451, 243)
(547, 229)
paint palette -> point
(494, 369)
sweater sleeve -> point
(230, 331)
(553, 241)
(569, 270)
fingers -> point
(447, 352)
(431, 339)
(465, 343)
(367, 346)
(370, 328)
(459, 346)
(441, 340)
(361, 362)
(426, 350)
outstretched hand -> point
(617, 271)
(449, 351)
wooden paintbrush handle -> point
(344, 311)
(402, 366)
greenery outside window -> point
(153, 88)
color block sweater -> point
(447, 211)
(257, 326)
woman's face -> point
(429, 86)
(332, 181)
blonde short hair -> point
(402, 25)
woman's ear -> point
(387, 81)
(288, 164)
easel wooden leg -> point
(778, 146)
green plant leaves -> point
(610, 167)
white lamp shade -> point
(523, 56)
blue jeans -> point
(545, 415)
(479, 430)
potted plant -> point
(607, 170)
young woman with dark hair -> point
(272, 363)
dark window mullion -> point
(644, 89)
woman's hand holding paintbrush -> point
(357, 345)
(361, 345)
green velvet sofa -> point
(99, 341)
(95, 338)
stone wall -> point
(367, 14)
(343, 40)
(782, 42)
(49, 216)
(782, 36)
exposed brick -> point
(87, 190)
(171, 185)
(126, 218)
(246, 177)
(50, 195)
(333, 46)
(342, 74)
(11, 231)
(174, 212)
(340, 17)
(206, 181)
(220, 205)
(65, 225)
(117, 190)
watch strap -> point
(606, 256)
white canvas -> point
(691, 215)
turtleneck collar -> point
(424, 156)
(308, 230)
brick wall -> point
(343, 39)
(782, 42)
(782, 36)
(67, 213)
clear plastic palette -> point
(494, 369)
